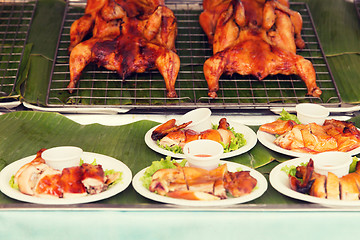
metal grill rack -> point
(15, 20)
(99, 87)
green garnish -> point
(235, 143)
(166, 163)
(353, 164)
(12, 183)
(284, 115)
(291, 170)
(174, 148)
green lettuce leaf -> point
(166, 163)
(284, 115)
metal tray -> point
(15, 20)
(99, 88)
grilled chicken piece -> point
(345, 133)
(83, 26)
(226, 135)
(310, 138)
(37, 159)
(318, 187)
(168, 180)
(278, 126)
(166, 128)
(332, 186)
(211, 134)
(93, 178)
(239, 183)
(70, 182)
(348, 188)
(103, 18)
(209, 17)
(48, 185)
(316, 139)
(29, 177)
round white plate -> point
(106, 162)
(248, 133)
(268, 139)
(280, 181)
(232, 167)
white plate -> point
(232, 167)
(268, 139)
(248, 133)
(106, 162)
(280, 181)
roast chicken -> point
(254, 37)
(38, 179)
(127, 37)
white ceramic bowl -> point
(62, 157)
(203, 153)
(311, 113)
(335, 162)
(200, 118)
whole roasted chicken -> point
(127, 37)
(254, 37)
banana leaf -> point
(23, 133)
(43, 36)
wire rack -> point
(99, 87)
(15, 20)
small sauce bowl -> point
(311, 113)
(203, 153)
(200, 118)
(336, 162)
(62, 157)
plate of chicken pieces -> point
(307, 185)
(230, 183)
(31, 180)
(299, 140)
(169, 138)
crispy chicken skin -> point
(330, 187)
(36, 178)
(256, 57)
(127, 37)
(171, 134)
(254, 37)
(334, 135)
(199, 184)
(125, 55)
